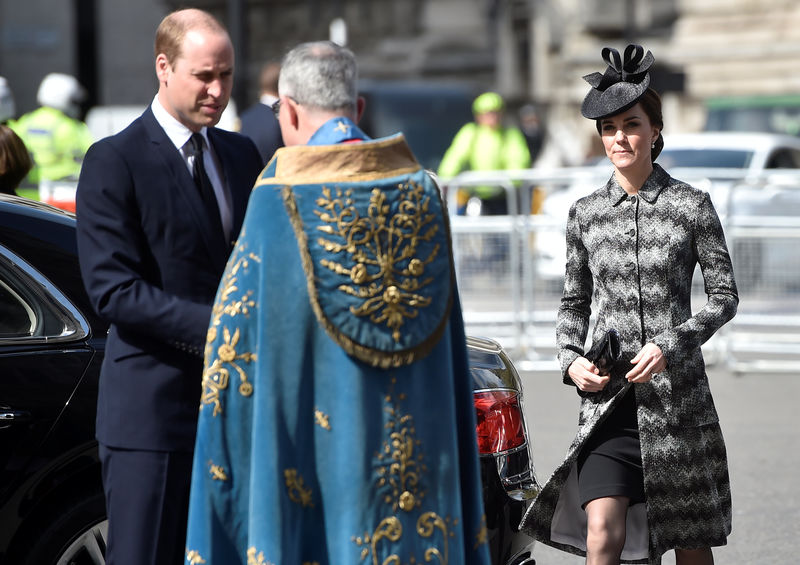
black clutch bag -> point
(605, 352)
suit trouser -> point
(147, 501)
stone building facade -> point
(532, 51)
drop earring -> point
(653, 145)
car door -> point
(43, 357)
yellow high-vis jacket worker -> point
(481, 148)
(56, 141)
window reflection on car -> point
(716, 158)
(752, 151)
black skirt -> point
(610, 464)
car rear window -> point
(16, 317)
(711, 158)
(30, 307)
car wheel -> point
(77, 537)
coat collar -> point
(337, 130)
(342, 162)
(650, 190)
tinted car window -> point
(784, 159)
(773, 118)
(16, 317)
(714, 158)
(28, 309)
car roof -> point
(44, 236)
(10, 203)
(729, 140)
(27, 225)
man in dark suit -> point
(258, 121)
(158, 206)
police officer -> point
(53, 134)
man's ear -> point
(162, 67)
(361, 103)
(293, 113)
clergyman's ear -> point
(361, 103)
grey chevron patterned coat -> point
(635, 256)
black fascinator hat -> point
(624, 82)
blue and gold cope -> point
(335, 331)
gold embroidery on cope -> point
(298, 493)
(374, 357)
(400, 469)
(387, 274)
(193, 557)
(322, 419)
(482, 536)
(342, 127)
(216, 377)
(391, 529)
(217, 473)
(401, 476)
(226, 358)
(256, 559)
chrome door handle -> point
(14, 416)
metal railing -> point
(510, 268)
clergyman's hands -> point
(586, 376)
(649, 361)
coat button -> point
(632, 232)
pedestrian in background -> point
(258, 121)
(8, 110)
(532, 129)
(485, 145)
(647, 471)
(336, 323)
(15, 161)
(158, 207)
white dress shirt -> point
(180, 135)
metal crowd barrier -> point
(510, 268)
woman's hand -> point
(586, 376)
(649, 361)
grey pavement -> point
(759, 414)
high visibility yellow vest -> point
(56, 141)
(481, 148)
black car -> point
(51, 347)
(52, 509)
(507, 472)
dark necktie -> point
(204, 183)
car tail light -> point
(499, 421)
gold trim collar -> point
(343, 162)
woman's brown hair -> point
(15, 160)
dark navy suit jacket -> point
(151, 264)
(260, 125)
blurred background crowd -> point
(720, 64)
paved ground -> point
(759, 414)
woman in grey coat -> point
(647, 471)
